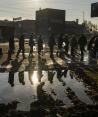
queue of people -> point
(64, 43)
(74, 45)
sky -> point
(26, 9)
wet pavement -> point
(26, 93)
(62, 82)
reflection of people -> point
(11, 78)
(40, 67)
(16, 64)
(30, 74)
(21, 46)
(51, 76)
(40, 91)
(40, 75)
(21, 77)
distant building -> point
(6, 32)
(50, 21)
(72, 27)
(47, 21)
(25, 26)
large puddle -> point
(23, 87)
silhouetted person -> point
(82, 42)
(96, 48)
(60, 41)
(11, 78)
(40, 44)
(59, 73)
(1, 52)
(11, 43)
(11, 46)
(21, 46)
(21, 77)
(66, 40)
(51, 44)
(73, 45)
(31, 43)
(91, 47)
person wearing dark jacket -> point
(40, 44)
(11, 46)
(51, 44)
(66, 40)
(21, 46)
(96, 48)
(73, 45)
(82, 42)
(91, 47)
(31, 43)
(60, 41)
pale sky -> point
(26, 8)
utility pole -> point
(83, 16)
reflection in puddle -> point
(55, 85)
(35, 78)
(86, 59)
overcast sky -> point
(26, 8)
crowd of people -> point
(64, 43)
(74, 45)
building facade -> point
(50, 21)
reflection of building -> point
(50, 21)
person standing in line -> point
(91, 47)
(21, 46)
(66, 47)
(96, 48)
(60, 41)
(31, 43)
(40, 44)
(11, 46)
(82, 42)
(51, 44)
(73, 45)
